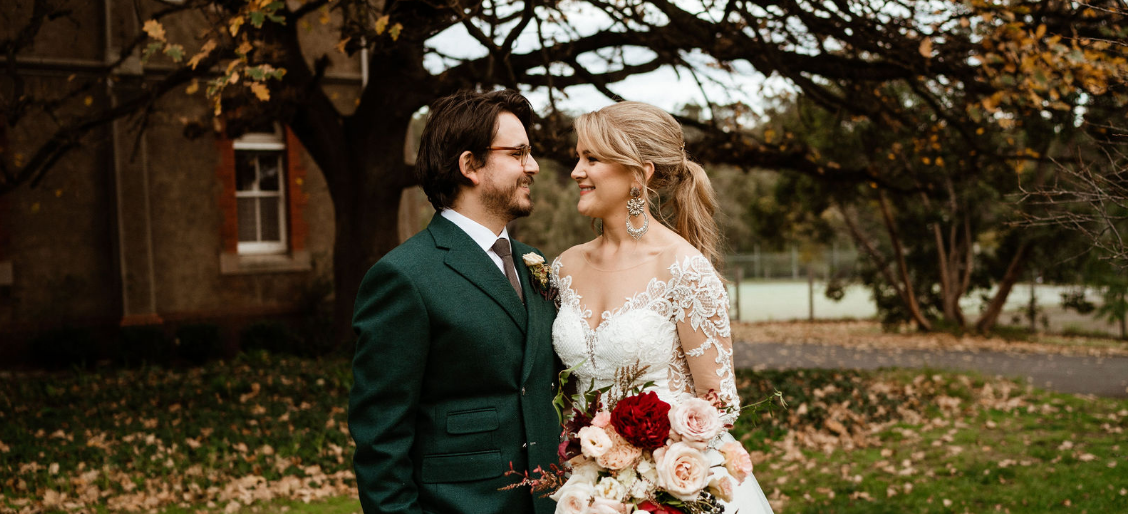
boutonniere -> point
(537, 268)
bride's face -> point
(604, 186)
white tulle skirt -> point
(748, 499)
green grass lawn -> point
(266, 434)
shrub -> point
(146, 344)
(63, 348)
(272, 336)
(199, 343)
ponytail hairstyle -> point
(633, 133)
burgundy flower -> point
(643, 420)
(654, 508)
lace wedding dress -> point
(677, 326)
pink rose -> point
(683, 471)
(722, 484)
(605, 506)
(737, 461)
(620, 455)
(696, 421)
(573, 498)
(594, 441)
(602, 419)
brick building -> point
(143, 225)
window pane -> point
(271, 229)
(248, 225)
(269, 163)
(244, 171)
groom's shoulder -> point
(411, 254)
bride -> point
(657, 297)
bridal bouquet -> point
(637, 453)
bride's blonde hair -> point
(632, 133)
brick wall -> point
(225, 171)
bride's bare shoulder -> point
(574, 256)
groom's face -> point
(506, 181)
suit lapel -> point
(537, 311)
(467, 259)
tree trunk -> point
(1014, 270)
(899, 253)
(366, 203)
(367, 229)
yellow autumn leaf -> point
(234, 24)
(234, 79)
(244, 48)
(89, 100)
(260, 90)
(193, 87)
(395, 31)
(381, 24)
(340, 46)
(154, 29)
(204, 51)
(926, 47)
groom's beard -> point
(506, 201)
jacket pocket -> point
(472, 421)
(461, 467)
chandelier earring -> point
(636, 206)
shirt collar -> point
(478, 232)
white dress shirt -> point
(481, 235)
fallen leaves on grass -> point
(869, 335)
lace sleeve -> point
(701, 311)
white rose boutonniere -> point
(539, 270)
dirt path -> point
(1098, 375)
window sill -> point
(247, 264)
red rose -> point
(643, 420)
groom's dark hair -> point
(464, 121)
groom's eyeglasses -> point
(521, 153)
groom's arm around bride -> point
(454, 368)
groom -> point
(454, 368)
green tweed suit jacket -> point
(453, 380)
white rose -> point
(532, 259)
(683, 471)
(573, 498)
(594, 441)
(647, 470)
(587, 471)
(696, 421)
(722, 484)
(610, 488)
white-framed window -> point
(260, 191)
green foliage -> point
(199, 343)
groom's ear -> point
(467, 165)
